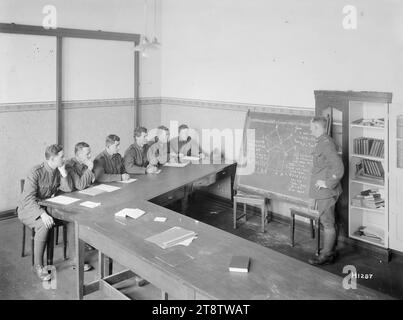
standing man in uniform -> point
(42, 182)
(325, 187)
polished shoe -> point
(322, 260)
(140, 281)
(42, 273)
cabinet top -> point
(356, 95)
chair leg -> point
(312, 229)
(318, 235)
(234, 218)
(23, 240)
(57, 235)
(65, 241)
(50, 246)
(32, 246)
(244, 210)
(263, 216)
(110, 266)
(292, 229)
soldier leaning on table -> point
(42, 182)
(135, 158)
(80, 169)
(325, 187)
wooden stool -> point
(253, 201)
(312, 215)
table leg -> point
(101, 265)
(80, 246)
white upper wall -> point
(279, 52)
(106, 15)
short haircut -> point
(53, 150)
(111, 139)
(79, 146)
(163, 128)
(322, 121)
(183, 127)
(138, 131)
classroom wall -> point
(98, 83)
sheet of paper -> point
(128, 212)
(176, 165)
(186, 242)
(106, 187)
(128, 181)
(191, 158)
(63, 200)
(91, 191)
(160, 219)
(90, 204)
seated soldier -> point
(42, 182)
(158, 153)
(80, 169)
(108, 165)
(135, 158)
(183, 145)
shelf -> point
(366, 127)
(363, 156)
(368, 181)
(368, 240)
(379, 211)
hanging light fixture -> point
(144, 43)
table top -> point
(272, 275)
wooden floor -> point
(18, 282)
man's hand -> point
(320, 184)
(89, 164)
(202, 155)
(47, 220)
(62, 170)
(125, 177)
(151, 169)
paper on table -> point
(176, 165)
(106, 187)
(191, 158)
(91, 191)
(63, 200)
(186, 242)
(90, 204)
(128, 181)
(128, 212)
(160, 219)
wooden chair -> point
(50, 246)
(252, 200)
(312, 215)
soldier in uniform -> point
(42, 182)
(183, 145)
(80, 169)
(158, 152)
(135, 158)
(325, 187)
(108, 165)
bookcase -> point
(360, 129)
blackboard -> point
(283, 149)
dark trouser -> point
(327, 219)
(41, 235)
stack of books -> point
(369, 146)
(370, 198)
(370, 122)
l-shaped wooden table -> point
(272, 275)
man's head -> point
(140, 136)
(163, 134)
(82, 151)
(112, 143)
(318, 126)
(54, 155)
(183, 132)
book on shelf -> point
(380, 122)
(368, 146)
(370, 198)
